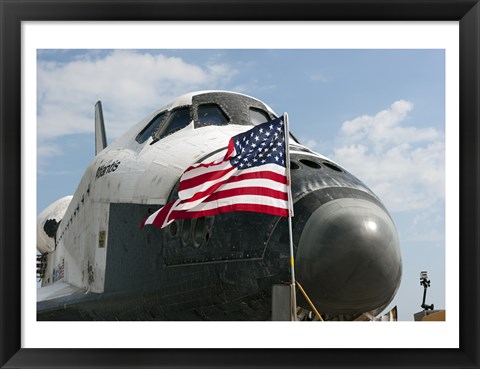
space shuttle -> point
(96, 263)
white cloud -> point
(434, 233)
(404, 165)
(309, 142)
(130, 85)
(385, 129)
(46, 151)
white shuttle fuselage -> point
(95, 251)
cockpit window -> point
(178, 119)
(258, 116)
(150, 128)
(211, 115)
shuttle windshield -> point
(211, 115)
(258, 116)
(150, 128)
(177, 120)
(208, 109)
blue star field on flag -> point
(264, 144)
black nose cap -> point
(348, 257)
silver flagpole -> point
(290, 215)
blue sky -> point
(379, 113)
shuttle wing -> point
(57, 290)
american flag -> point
(250, 177)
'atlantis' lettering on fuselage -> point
(105, 169)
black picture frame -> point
(466, 12)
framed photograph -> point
(388, 91)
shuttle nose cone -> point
(348, 258)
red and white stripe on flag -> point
(251, 177)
